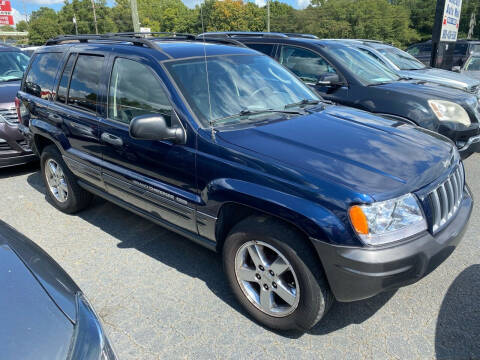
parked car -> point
(406, 66)
(471, 68)
(29, 50)
(345, 75)
(13, 147)
(463, 49)
(307, 201)
(44, 315)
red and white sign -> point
(6, 17)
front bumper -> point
(358, 273)
(14, 150)
(467, 148)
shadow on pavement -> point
(133, 231)
(18, 170)
(458, 324)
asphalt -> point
(161, 296)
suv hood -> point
(429, 90)
(443, 77)
(8, 91)
(351, 148)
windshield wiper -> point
(303, 102)
(14, 79)
(247, 112)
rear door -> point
(157, 177)
(75, 111)
(310, 66)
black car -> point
(463, 49)
(345, 75)
(43, 313)
(307, 201)
(13, 147)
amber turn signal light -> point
(358, 219)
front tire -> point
(61, 185)
(274, 275)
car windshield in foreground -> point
(402, 59)
(473, 64)
(12, 65)
(240, 88)
(363, 66)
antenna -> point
(208, 80)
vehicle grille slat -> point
(445, 199)
(10, 115)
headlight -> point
(387, 221)
(449, 111)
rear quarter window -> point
(267, 49)
(41, 76)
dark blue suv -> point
(307, 201)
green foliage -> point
(400, 22)
(22, 25)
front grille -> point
(10, 115)
(446, 198)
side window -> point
(83, 91)
(426, 48)
(41, 76)
(414, 50)
(134, 90)
(304, 63)
(63, 86)
(267, 49)
(460, 49)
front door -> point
(156, 177)
(310, 67)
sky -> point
(22, 7)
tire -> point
(69, 196)
(313, 297)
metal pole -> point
(75, 22)
(135, 21)
(268, 15)
(94, 17)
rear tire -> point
(308, 297)
(61, 184)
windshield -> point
(238, 84)
(363, 66)
(402, 59)
(473, 64)
(12, 65)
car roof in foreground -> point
(162, 50)
(5, 48)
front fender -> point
(313, 219)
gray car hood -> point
(8, 91)
(444, 77)
(32, 326)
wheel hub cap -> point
(267, 278)
(56, 180)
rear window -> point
(83, 91)
(41, 76)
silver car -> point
(471, 68)
(407, 66)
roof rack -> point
(172, 35)
(299, 35)
(105, 37)
(228, 34)
(223, 40)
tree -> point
(43, 26)
(22, 25)
(82, 10)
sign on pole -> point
(445, 32)
(451, 20)
(6, 17)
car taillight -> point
(17, 106)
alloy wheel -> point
(56, 180)
(267, 278)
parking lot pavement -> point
(161, 296)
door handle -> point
(57, 119)
(111, 139)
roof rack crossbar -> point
(218, 39)
(154, 34)
(228, 34)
